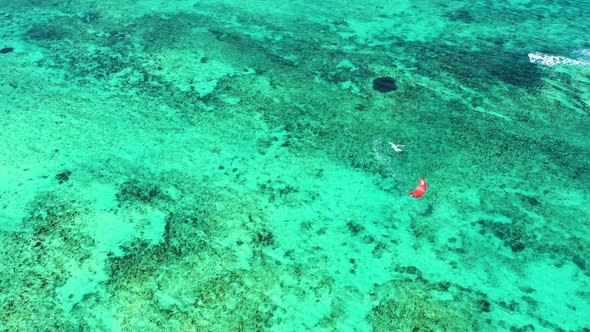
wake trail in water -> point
(390, 160)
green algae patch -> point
(415, 306)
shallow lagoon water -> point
(226, 166)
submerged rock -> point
(6, 50)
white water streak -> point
(554, 60)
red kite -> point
(420, 190)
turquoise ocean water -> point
(230, 166)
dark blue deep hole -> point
(384, 84)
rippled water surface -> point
(245, 165)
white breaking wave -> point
(554, 60)
(583, 53)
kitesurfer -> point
(398, 147)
